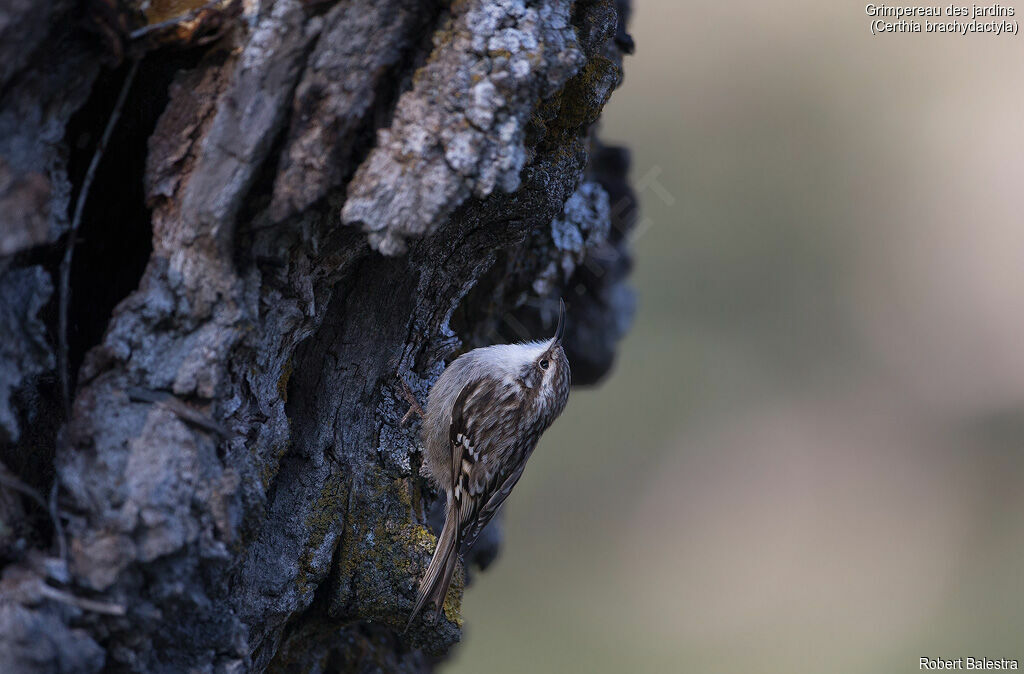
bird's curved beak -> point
(560, 329)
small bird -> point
(484, 417)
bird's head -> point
(545, 370)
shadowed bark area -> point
(301, 203)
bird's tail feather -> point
(441, 587)
(434, 586)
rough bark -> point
(301, 204)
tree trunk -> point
(230, 230)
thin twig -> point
(13, 483)
(174, 21)
(58, 528)
(179, 408)
(106, 608)
(69, 250)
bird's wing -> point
(472, 531)
(487, 458)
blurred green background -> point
(809, 456)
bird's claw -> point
(414, 405)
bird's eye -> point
(544, 364)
